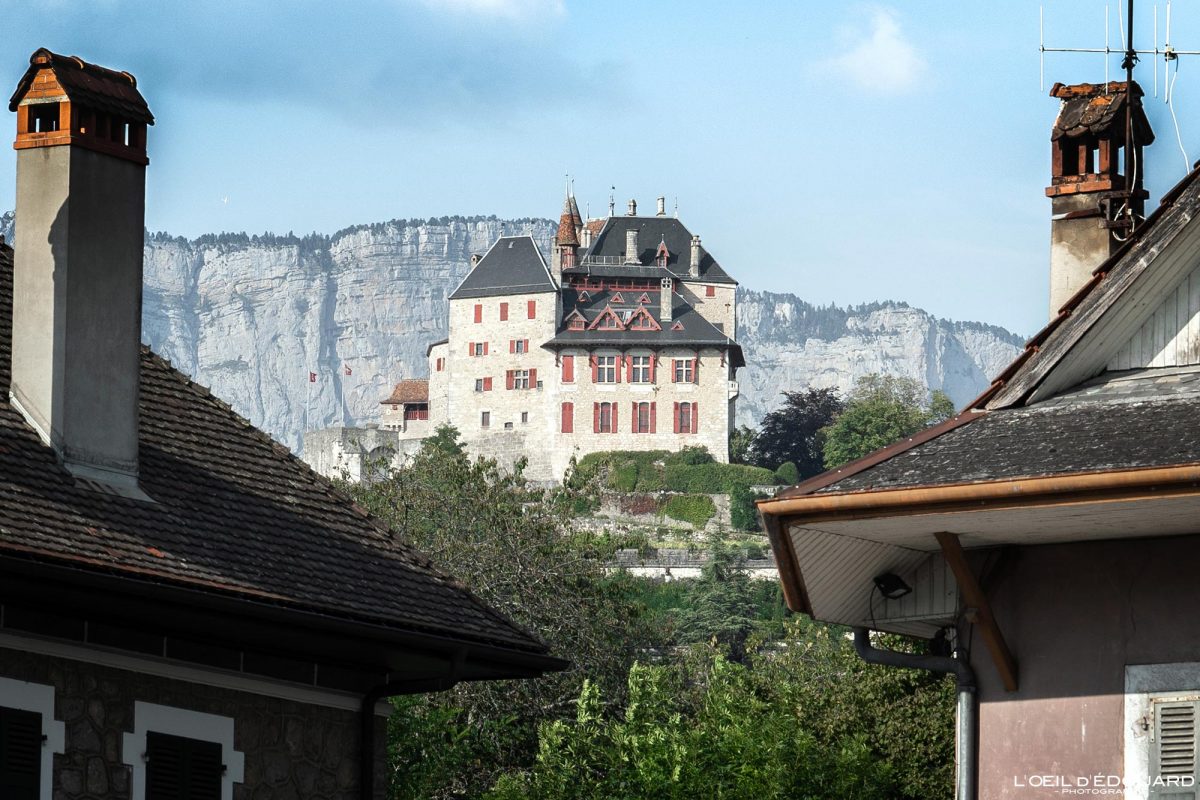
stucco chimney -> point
(77, 275)
(1092, 202)
(632, 208)
(694, 263)
(665, 300)
(662, 206)
(631, 246)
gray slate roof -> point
(610, 244)
(236, 516)
(1124, 420)
(513, 265)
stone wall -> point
(292, 750)
(351, 453)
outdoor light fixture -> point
(891, 586)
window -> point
(479, 312)
(524, 417)
(605, 417)
(710, 291)
(479, 384)
(609, 322)
(176, 753)
(517, 379)
(422, 411)
(639, 369)
(577, 324)
(441, 364)
(686, 417)
(504, 312)
(617, 298)
(508, 426)
(518, 345)
(568, 369)
(531, 308)
(685, 370)
(644, 299)
(29, 738)
(643, 417)
(485, 419)
(605, 370)
(477, 349)
(568, 417)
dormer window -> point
(617, 298)
(644, 299)
(577, 324)
(610, 323)
(662, 255)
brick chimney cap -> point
(89, 85)
(1096, 109)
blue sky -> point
(846, 152)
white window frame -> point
(38, 698)
(1144, 684)
(639, 369)
(153, 718)
(604, 363)
(683, 371)
(479, 384)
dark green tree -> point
(741, 439)
(881, 409)
(792, 432)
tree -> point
(881, 409)
(512, 547)
(741, 439)
(792, 432)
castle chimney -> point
(1093, 197)
(631, 246)
(475, 259)
(77, 294)
(586, 238)
(632, 208)
(694, 263)
(665, 299)
(662, 206)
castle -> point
(624, 339)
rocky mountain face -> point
(253, 316)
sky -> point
(847, 152)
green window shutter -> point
(179, 768)
(20, 754)
(1173, 762)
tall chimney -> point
(77, 294)
(665, 299)
(694, 263)
(631, 246)
(632, 208)
(1092, 200)
(662, 206)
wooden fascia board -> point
(979, 609)
(790, 578)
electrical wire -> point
(1187, 163)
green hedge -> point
(689, 470)
(696, 509)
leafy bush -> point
(624, 478)
(788, 473)
(714, 478)
(696, 509)
(742, 513)
(694, 454)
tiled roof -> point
(1093, 109)
(610, 244)
(410, 391)
(513, 265)
(235, 514)
(89, 85)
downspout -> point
(366, 752)
(965, 758)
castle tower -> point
(77, 305)
(1096, 184)
(566, 241)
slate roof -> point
(87, 84)
(513, 265)
(235, 515)
(1094, 109)
(610, 244)
(410, 391)
(697, 331)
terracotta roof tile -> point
(409, 391)
(87, 84)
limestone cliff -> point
(253, 316)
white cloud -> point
(512, 9)
(880, 58)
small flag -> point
(348, 372)
(312, 377)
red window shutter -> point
(710, 291)
(533, 309)
(595, 367)
(677, 417)
(624, 365)
(478, 312)
(485, 348)
(653, 368)
(487, 384)
(696, 369)
(674, 367)
(695, 417)
(568, 369)
(653, 414)
(595, 417)
(508, 379)
(526, 345)
(504, 312)
(512, 345)
(568, 417)
(633, 417)
(533, 379)
(614, 418)
(470, 348)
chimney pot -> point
(632, 256)
(662, 206)
(694, 263)
(632, 208)
(475, 259)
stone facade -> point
(291, 749)
(352, 453)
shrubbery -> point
(696, 509)
(690, 470)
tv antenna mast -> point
(1130, 57)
